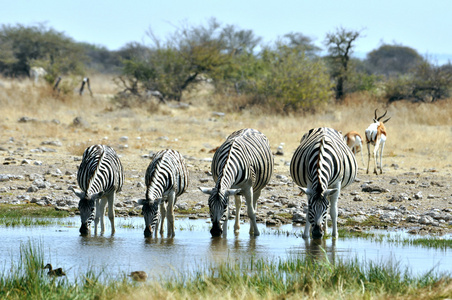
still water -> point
(193, 248)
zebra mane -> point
(322, 179)
(98, 158)
(221, 183)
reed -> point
(297, 277)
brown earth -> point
(406, 189)
(46, 135)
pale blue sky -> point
(423, 25)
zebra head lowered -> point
(87, 208)
(318, 206)
(151, 214)
(218, 203)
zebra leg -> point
(238, 204)
(100, 213)
(307, 229)
(163, 212)
(333, 209)
(111, 212)
(251, 213)
(170, 214)
(225, 223)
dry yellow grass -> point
(419, 135)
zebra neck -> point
(154, 192)
(320, 183)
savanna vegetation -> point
(289, 75)
(287, 87)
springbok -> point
(376, 135)
(355, 142)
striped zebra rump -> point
(244, 160)
(100, 171)
(322, 159)
(245, 155)
(100, 174)
(166, 179)
(322, 165)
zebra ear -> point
(230, 192)
(307, 191)
(208, 191)
(97, 196)
(142, 201)
(329, 192)
(77, 192)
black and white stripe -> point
(166, 179)
(322, 165)
(99, 176)
(242, 165)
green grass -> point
(30, 210)
(296, 277)
(31, 215)
(427, 242)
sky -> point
(425, 26)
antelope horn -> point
(386, 120)
(376, 114)
(382, 115)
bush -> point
(291, 81)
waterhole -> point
(193, 248)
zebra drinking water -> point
(322, 165)
(242, 165)
(166, 179)
(100, 176)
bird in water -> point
(54, 272)
(139, 275)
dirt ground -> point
(44, 139)
(27, 148)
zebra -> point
(99, 176)
(322, 165)
(166, 179)
(242, 165)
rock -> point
(394, 181)
(80, 122)
(52, 143)
(26, 120)
(280, 150)
(32, 189)
(359, 218)
(418, 195)
(140, 185)
(273, 222)
(373, 189)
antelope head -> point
(377, 119)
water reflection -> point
(317, 249)
(158, 241)
(193, 248)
